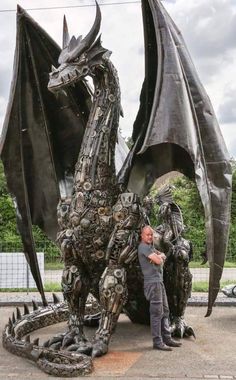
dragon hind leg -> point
(75, 290)
(178, 283)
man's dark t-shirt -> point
(151, 272)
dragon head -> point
(78, 57)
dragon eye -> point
(85, 70)
(82, 58)
(54, 74)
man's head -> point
(147, 235)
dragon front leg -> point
(113, 294)
(121, 252)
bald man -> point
(151, 262)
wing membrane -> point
(41, 135)
(176, 129)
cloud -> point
(228, 130)
(232, 146)
(227, 110)
(208, 28)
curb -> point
(204, 302)
(21, 299)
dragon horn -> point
(87, 41)
(66, 37)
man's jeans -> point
(159, 312)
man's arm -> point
(157, 258)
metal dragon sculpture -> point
(59, 159)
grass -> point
(48, 287)
(55, 265)
(52, 287)
(202, 286)
(197, 264)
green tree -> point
(8, 230)
(186, 195)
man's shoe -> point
(173, 343)
(162, 347)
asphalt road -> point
(211, 356)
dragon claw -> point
(55, 339)
(69, 342)
(100, 348)
(180, 329)
(189, 331)
(75, 342)
(56, 346)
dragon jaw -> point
(67, 75)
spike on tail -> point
(56, 299)
(18, 313)
(10, 325)
(13, 318)
(26, 309)
(35, 305)
(36, 342)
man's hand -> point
(163, 256)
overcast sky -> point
(208, 26)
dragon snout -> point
(68, 76)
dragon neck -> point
(95, 168)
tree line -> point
(185, 194)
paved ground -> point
(210, 356)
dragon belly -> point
(87, 224)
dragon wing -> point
(41, 136)
(176, 129)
